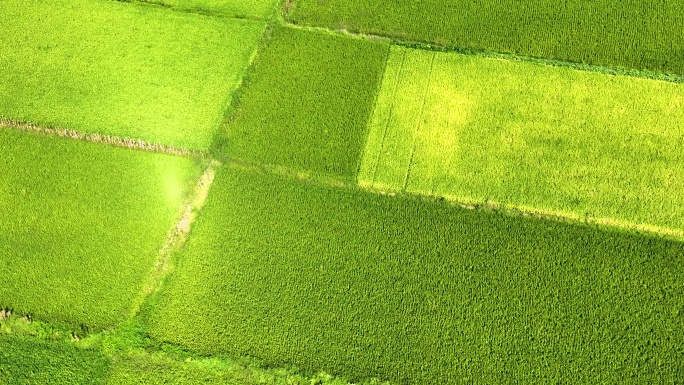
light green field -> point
(232, 8)
(121, 69)
(640, 34)
(82, 224)
(534, 137)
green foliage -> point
(641, 34)
(121, 69)
(82, 224)
(161, 368)
(306, 103)
(26, 326)
(232, 8)
(27, 361)
(416, 291)
(541, 138)
(128, 357)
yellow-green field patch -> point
(523, 135)
(232, 8)
(82, 224)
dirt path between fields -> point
(126, 142)
(177, 236)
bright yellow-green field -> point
(529, 136)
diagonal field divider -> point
(187, 213)
(178, 235)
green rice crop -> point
(82, 224)
(535, 137)
(417, 291)
(121, 69)
(232, 8)
(150, 369)
(640, 34)
(145, 368)
(307, 102)
(26, 361)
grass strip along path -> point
(532, 137)
(243, 9)
(119, 69)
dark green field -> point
(419, 291)
(644, 35)
(307, 102)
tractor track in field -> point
(419, 122)
(112, 140)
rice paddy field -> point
(82, 225)
(637, 34)
(336, 192)
(532, 136)
(316, 121)
(31, 361)
(419, 292)
(130, 71)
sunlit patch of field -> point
(557, 139)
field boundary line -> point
(369, 126)
(459, 201)
(340, 32)
(538, 213)
(113, 140)
(159, 4)
(318, 179)
(177, 236)
(418, 122)
(487, 53)
(235, 98)
(389, 114)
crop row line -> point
(389, 116)
(419, 121)
(126, 142)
